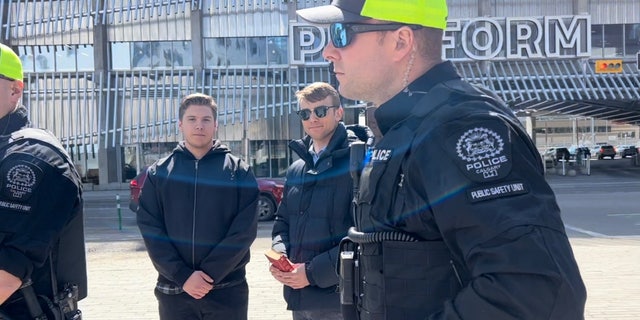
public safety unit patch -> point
(19, 181)
(483, 152)
(497, 191)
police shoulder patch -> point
(482, 151)
(18, 182)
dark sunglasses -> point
(320, 111)
(341, 34)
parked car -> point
(595, 149)
(271, 190)
(549, 158)
(629, 151)
(607, 151)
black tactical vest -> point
(406, 280)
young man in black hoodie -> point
(197, 215)
(315, 210)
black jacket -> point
(458, 172)
(313, 216)
(40, 208)
(199, 215)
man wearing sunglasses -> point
(42, 254)
(314, 214)
(454, 217)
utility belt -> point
(393, 275)
(63, 306)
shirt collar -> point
(315, 155)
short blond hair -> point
(318, 91)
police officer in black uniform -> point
(42, 255)
(454, 218)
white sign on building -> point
(485, 38)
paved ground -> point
(121, 279)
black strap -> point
(31, 300)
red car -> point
(271, 190)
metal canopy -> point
(569, 87)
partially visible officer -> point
(454, 219)
(315, 212)
(42, 255)
(197, 215)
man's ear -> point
(404, 41)
(16, 94)
(339, 113)
(16, 90)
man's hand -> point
(198, 284)
(8, 285)
(296, 279)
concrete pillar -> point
(580, 7)
(530, 125)
(197, 50)
(484, 8)
(110, 162)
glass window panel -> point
(632, 39)
(259, 157)
(65, 58)
(278, 158)
(141, 55)
(215, 53)
(237, 51)
(27, 58)
(269, 158)
(235, 147)
(121, 56)
(85, 57)
(161, 55)
(44, 59)
(597, 45)
(182, 54)
(277, 50)
(613, 41)
(257, 50)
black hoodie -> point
(199, 215)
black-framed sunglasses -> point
(320, 111)
(341, 34)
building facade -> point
(107, 76)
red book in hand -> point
(279, 260)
